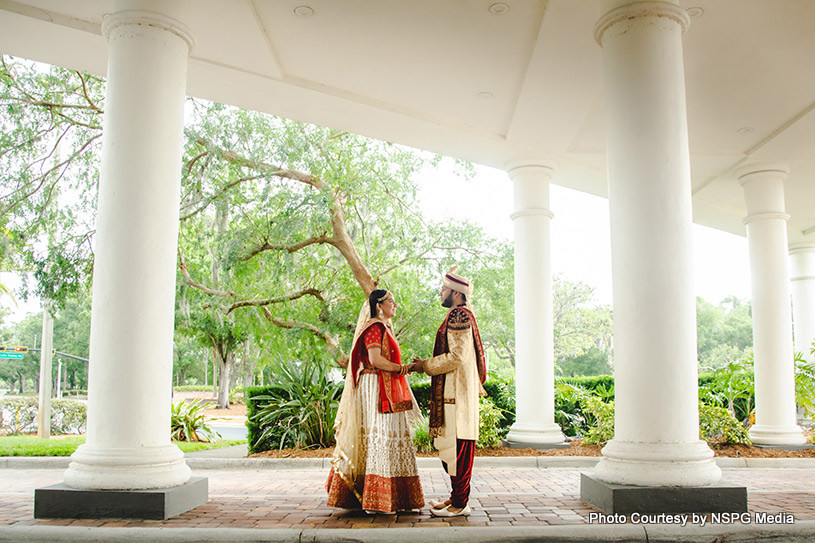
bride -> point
(374, 462)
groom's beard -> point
(448, 302)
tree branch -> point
(266, 169)
(322, 238)
(278, 299)
(191, 282)
(325, 336)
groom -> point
(458, 369)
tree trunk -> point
(215, 372)
(223, 381)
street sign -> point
(10, 355)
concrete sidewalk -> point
(513, 499)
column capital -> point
(800, 248)
(771, 215)
(519, 167)
(779, 169)
(112, 21)
(533, 211)
(636, 10)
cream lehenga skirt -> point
(389, 479)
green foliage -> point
(717, 425)
(52, 127)
(19, 415)
(600, 417)
(593, 361)
(34, 446)
(188, 422)
(592, 383)
(68, 416)
(298, 411)
(581, 327)
(568, 408)
(502, 393)
(805, 384)
(724, 332)
(65, 446)
(421, 391)
(421, 436)
(489, 430)
(731, 386)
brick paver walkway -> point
(296, 499)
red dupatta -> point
(394, 391)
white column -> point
(534, 347)
(129, 383)
(656, 439)
(774, 368)
(802, 264)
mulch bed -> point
(576, 449)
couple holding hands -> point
(374, 462)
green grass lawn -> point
(65, 446)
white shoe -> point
(447, 513)
(438, 505)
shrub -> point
(19, 416)
(188, 422)
(502, 392)
(421, 391)
(489, 431)
(601, 425)
(299, 411)
(718, 425)
(592, 382)
(568, 409)
(421, 436)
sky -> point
(580, 238)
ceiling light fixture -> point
(499, 8)
(695, 12)
(485, 95)
(303, 11)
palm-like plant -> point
(301, 413)
(188, 422)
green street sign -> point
(11, 355)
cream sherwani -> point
(462, 386)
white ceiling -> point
(454, 78)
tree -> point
(724, 332)
(48, 169)
(578, 324)
(17, 372)
(291, 225)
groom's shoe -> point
(447, 513)
(439, 505)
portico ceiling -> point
(485, 80)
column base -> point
(628, 499)
(63, 501)
(777, 435)
(139, 468)
(536, 437)
(687, 464)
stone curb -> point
(481, 462)
(800, 532)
